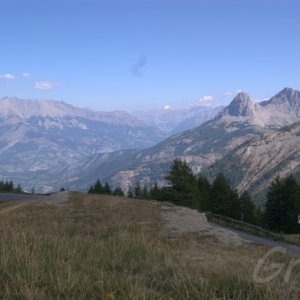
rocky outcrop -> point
(241, 106)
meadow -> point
(104, 247)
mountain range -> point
(174, 120)
(40, 138)
(241, 122)
(48, 144)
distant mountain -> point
(239, 122)
(174, 120)
(252, 165)
(37, 138)
(281, 110)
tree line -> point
(9, 187)
(104, 189)
(185, 189)
(280, 212)
(283, 205)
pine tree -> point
(19, 189)
(248, 208)
(183, 184)
(91, 190)
(138, 191)
(106, 189)
(225, 201)
(145, 193)
(274, 205)
(283, 205)
(155, 192)
(98, 188)
(205, 191)
(221, 192)
(130, 193)
(118, 192)
(292, 195)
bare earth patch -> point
(57, 199)
(185, 220)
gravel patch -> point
(184, 220)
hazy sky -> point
(147, 53)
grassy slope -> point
(100, 247)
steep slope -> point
(242, 120)
(252, 165)
(196, 117)
(37, 138)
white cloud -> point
(167, 107)
(230, 94)
(7, 76)
(26, 75)
(205, 100)
(45, 85)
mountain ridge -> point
(202, 146)
(255, 163)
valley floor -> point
(79, 246)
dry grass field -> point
(77, 246)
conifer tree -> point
(221, 192)
(145, 193)
(155, 192)
(283, 205)
(118, 192)
(205, 193)
(138, 191)
(225, 201)
(19, 189)
(91, 190)
(130, 193)
(248, 208)
(183, 186)
(106, 189)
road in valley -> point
(19, 197)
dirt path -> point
(57, 199)
(12, 208)
(260, 240)
(185, 220)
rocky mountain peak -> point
(287, 96)
(241, 105)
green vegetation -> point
(99, 188)
(9, 187)
(100, 247)
(283, 205)
(185, 189)
(196, 192)
(183, 185)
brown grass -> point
(98, 247)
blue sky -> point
(130, 55)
